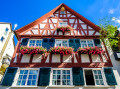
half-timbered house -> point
(61, 49)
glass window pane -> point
(23, 82)
(18, 82)
(64, 77)
(58, 82)
(30, 77)
(29, 82)
(68, 71)
(33, 82)
(24, 76)
(97, 82)
(39, 43)
(68, 76)
(99, 72)
(68, 82)
(34, 76)
(53, 82)
(54, 76)
(58, 72)
(54, 71)
(64, 71)
(58, 43)
(64, 82)
(21, 71)
(26, 72)
(101, 82)
(58, 76)
(20, 76)
(64, 43)
(100, 76)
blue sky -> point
(23, 12)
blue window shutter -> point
(110, 76)
(9, 76)
(97, 42)
(77, 44)
(24, 41)
(72, 43)
(45, 43)
(52, 42)
(78, 78)
(44, 76)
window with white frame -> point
(61, 77)
(62, 43)
(85, 43)
(33, 42)
(93, 77)
(27, 77)
(63, 24)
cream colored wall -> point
(3, 26)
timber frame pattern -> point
(45, 27)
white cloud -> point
(111, 11)
(117, 20)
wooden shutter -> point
(71, 43)
(77, 44)
(44, 77)
(97, 42)
(9, 76)
(78, 78)
(24, 41)
(45, 43)
(110, 76)
(51, 42)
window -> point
(2, 38)
(63, 24)
(61, 77)
(27, 77)
(85, 43)
(62, 43)
(6, 30)
(93, 77)
(35, 43)
(62, 12)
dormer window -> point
(63, 24)
(62, 12)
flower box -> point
(90, 50)
(61, 50)
(64, 29)
(32, 50)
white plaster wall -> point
(95, 58)
(37, 58)
(67, 59)
(85, 58)
(25, 58)
(55, 58)
(3, 26)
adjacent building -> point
(61, 49)
(7, 46)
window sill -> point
(61, 86)
(25, 86)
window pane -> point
(58, 43)
(83, 44)
(27, 77)
(64, 43)
(90, 43)
(32, 43)
(57, 80)
(68, 82)
(54, 71)
(64, 82)
(39, 43)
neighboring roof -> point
(50, 13)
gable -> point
(46, 25)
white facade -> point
(6, 49)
